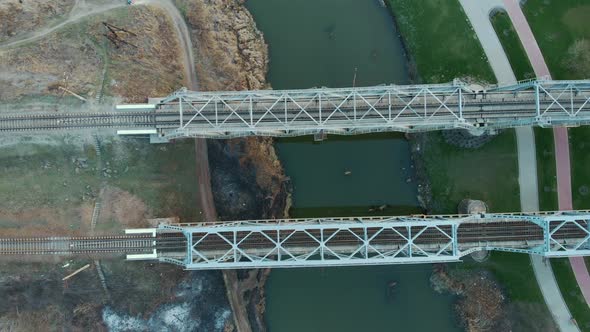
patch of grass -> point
(489, 174)
(514, 272)
(164, 176)
(557, 26)
(440, 39)
(39, 175)
(512, 46)
(546, 172)
(580, 155)
(571, 292)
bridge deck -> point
(383, 240)
(342, 111)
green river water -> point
(338, 43)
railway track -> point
(467, 233)
(213, 115)
(91, 245)
(57, 121)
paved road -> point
(478, 14)
(560, 135)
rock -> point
(470, 206)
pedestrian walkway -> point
(478, 13)
(527, 38)
(560, 135)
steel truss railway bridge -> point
(345, 111)
(328, 242)
(375, 240)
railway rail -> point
(377, 240)
(113, 244)
(337, 111)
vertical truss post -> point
(322, 244)
(286, 116)
(235, 246)
(461, 105)
(354, 103)
(537, 100)
(454, 239)
(425, 104)
(320, 106)
(189, 247)
(389, 102)
(572, 114)
(251, 112)
(546, 224)
(366, 241)
(278, 245)
(410, 241)
(180, 109)
(216, 114)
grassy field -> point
(511, 43)
(571, 292)
(440, 40)
(163, 176)
(546, 175)
(489, 173)
(580, 154)
(443, 45)
(514, 272)
(53, 183)
(563, 33)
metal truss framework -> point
(377, 240)
(410, 108)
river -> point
(338, 43)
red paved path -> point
(560, 136)
(527, 38)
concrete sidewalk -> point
(560, 135)
(478, 13)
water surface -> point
(339, 43)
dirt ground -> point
(230, 52)
(18, 17)
(80, 58)
(51, 185)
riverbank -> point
(247, 179)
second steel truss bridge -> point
(324, 242)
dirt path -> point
(234, 295)
(202, 159)
(183, 37)
(79, 11)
